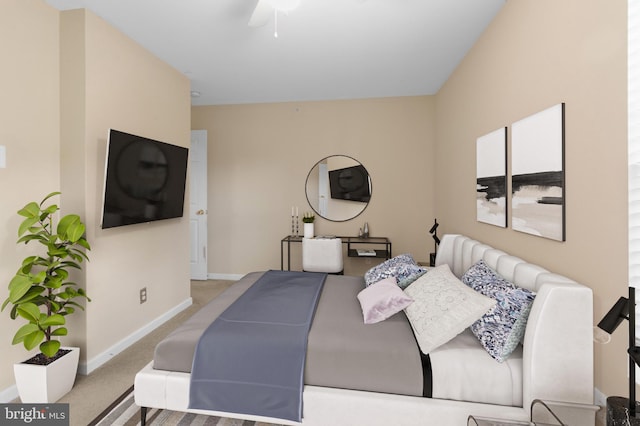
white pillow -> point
(381, 300)
(443, 307)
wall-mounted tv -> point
(144, 181)
(350, 183)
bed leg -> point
(143, 416)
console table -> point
(382, 248)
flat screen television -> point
(144, 180)
(350, 183)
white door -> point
(198, 204)
(323, 188)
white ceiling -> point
(325, 49)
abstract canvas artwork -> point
(537, 174)
(491, 178)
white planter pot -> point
(308, 230)
(43, 384)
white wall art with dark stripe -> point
(538, 175)
(491, 178)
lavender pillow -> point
(381, 300)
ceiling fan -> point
(265, 9)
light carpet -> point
(124, 412)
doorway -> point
(198, 204)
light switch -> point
(3, 156)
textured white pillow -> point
(381, 300)
(443, 307)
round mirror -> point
(338, 188)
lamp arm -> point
(634, 353)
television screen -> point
(350, 183)
(144, 181)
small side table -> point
(543, 415)
(485, 421)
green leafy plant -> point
(308, 217)
(41, 292)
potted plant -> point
(307, 220)
(41, 294)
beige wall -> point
(60, 111)
(260, 155)
(126, 88)
(535, 54)
(30, 131)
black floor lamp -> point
(624, 411)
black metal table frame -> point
(349, 241)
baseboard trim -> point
(232, 277)
(599, 398)
(86, 368)
(9, 394)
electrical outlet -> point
(143, 295)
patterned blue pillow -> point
(502, 328)
(411, 273)
(403, 268)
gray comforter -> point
(342, 351)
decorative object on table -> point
(436, 241)
(537, 174)
(307, 219)
(294, 221)
(624, 411)
(41, 293)
(293, 227)
(491, 178)
(365, 230)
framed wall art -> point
(491, 178)
(537, 174)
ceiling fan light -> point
(265, 9)
(284, 5)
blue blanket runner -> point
(251, 359)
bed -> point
(376, 374)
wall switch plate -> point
(143, 295)
(3, 156)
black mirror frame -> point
(312, 205)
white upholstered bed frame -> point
(557, 360)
